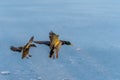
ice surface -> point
(39, 78)
(92, 26)
(5, 72)
(78, 49)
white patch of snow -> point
(5, 72)
(39, 78)
(78, 49)
(65, 79)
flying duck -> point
(54, 44)
(24, 49)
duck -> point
(24, 49)
(47, 43)
(54, 44)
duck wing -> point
(31, 39)
(43, 42)
(16, 49)
(63, 42)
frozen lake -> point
(93, 26)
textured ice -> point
(92, 26)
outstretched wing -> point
(31, 39)
(51, 34)
(43, 42)
(17, 49)
(63, 42)
(66, 42)
(29, 43)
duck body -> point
(54, 44)
(24, 49)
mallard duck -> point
(54, 43)
(24, 49)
